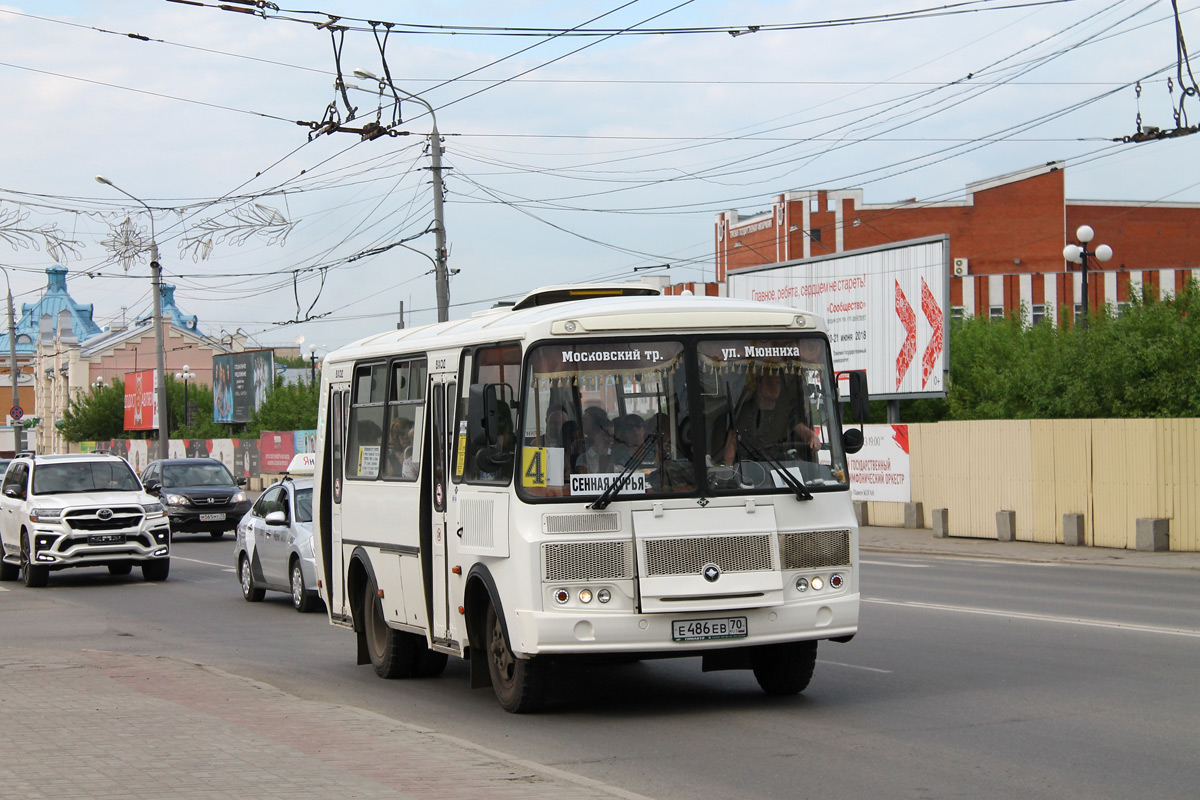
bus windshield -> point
(762, 417)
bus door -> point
(434, 541)
(331, 502)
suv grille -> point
(689, 556)
(90, 519)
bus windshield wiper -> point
(609, 494)
(794, 483)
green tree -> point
(97, 416)
(287, 407)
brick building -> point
(1006, 240)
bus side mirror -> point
(483, 417)
(852, 440)
(860, 399)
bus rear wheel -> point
(519, 683)
(785, 668)
(392, 652)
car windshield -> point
(175, 475)
(303, 499)
(84, 476)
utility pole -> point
(13, 374)
(439, 226)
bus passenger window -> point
(365, 440)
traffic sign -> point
(16, 412)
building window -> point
(996, 312)
(1122, 308)
(1078, 310)
(814, 234)
(957, 313)
(1039, 313)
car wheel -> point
(252, 593)
(519, 683)
(33, 575)
(785, 668)
(216, 534)
(156, 570)
(392, 652)
(123, 568)
(302, 601)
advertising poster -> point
(881, 472)
(222, 450)
(245, 458)
(276, 449)
(141, 406)
(306, 441)
(138, 455)
(240, 384)
(196, 448)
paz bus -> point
(590, 471)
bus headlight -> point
(604, 595)
(801, 584)
(818, 584)
(585, 595)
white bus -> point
(592, 470)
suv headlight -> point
(176, 500)
(240, 497)
(45, 515)
(152, 510)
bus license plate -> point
(696, 630)
(212, 517)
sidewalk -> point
(115, 726)
(920, 541)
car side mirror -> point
(276, 518)
(241, 481)
(152, 486)
(13, 492)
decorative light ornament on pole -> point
(160, 364)
(186, 376)
(14, 374)
(441, 274)
(1078, 254)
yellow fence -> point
(1111, 471)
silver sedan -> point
(274, 545)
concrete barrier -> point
(1153, 534)
(941, 522)
(1006, 526)
(1072, 530)
(914, 515)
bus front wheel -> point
(785, 668)
(519, 683)
(392, 652)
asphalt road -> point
(981, 679)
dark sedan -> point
(200, 494)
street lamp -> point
(160, 365)
(186, 376)
(1078, 254)
(441, 274)
(13, 375)
(312, 358)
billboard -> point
(882, 470)
(141, 401)
(240, 384)
(887, 309)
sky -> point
(583, 141)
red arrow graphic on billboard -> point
(909, 320)
(933, 313)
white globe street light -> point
(1078, 254)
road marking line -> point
(854, 666)
(893, 564)
(198, 561)
(1090, 623)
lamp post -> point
(13, 375)
(186, 376)
(160, 364)
(312, 359)
(441, 274)
(1078, 254)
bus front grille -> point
(588, 561)
(690, 556)
(815, 549)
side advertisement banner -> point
(881, 472)
(141, 401)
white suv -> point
(86, 510)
